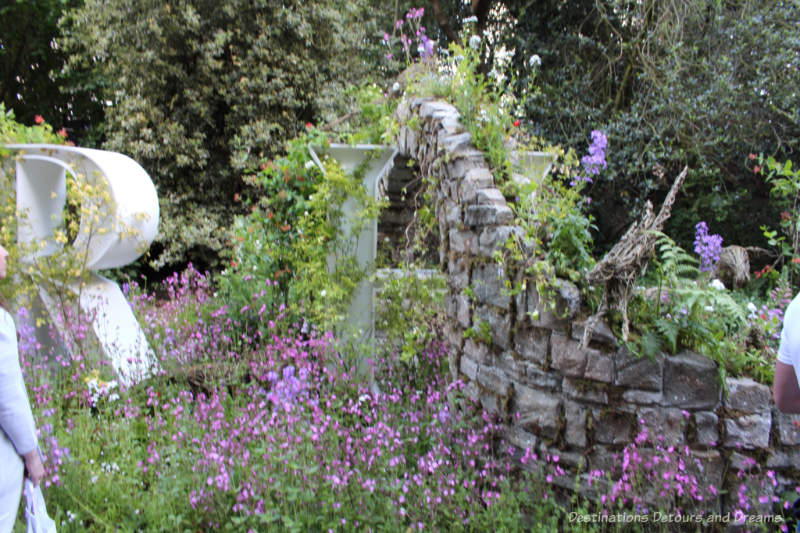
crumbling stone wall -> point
(558, 398)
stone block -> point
(788, 430)
(747, 396)
(575, 432)
(415, 103)
(455, 143)
(463, 242)
(707, 466)
(532, 344)
(706, 425)
(472, 392)
(536, 377)
(612, 427)
(584, 391)
(451, 125)
(748, 431)
(666, 427)
(403, 111)
(638, 372)
(458, 272)
(642, 397)
(521, 298)
(402, 136)
(493, 238)
(469, 368)
(520, 438)
(453, 214)
(487, 215)
(436, 109)
(783, 459)
(463, 307)
(567, 356)
(453, 335)
(512, 366)
(462, 161)
(599, 366)
(601, 334)
(489, 403)
(691, 381)
(453, 363)
(760, 507)
(538, 411)
(489, 285)
(477, 351)
(488, 196)
(480, 176)
(740, 461)
(567, 301)
(493, 380)
(601, 458)
(499, 325)
(450, 306)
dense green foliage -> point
(198, 92)
(702, 83)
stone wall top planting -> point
(558, 398)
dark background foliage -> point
(200, 92)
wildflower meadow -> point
(259, 412)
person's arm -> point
(16, 418)
(785, 389)
(34, 466)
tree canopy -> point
(199, 91)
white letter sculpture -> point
(129, 224)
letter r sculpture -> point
(113, 235)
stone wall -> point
(557, 398)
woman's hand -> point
(34, 466)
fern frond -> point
(669, 331)
(651, 344)
(675, 261)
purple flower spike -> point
(595, 160)
(708, 247)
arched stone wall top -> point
(529, 366)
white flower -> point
(475, 42)
(753, 311)
(534, 61)
(310, 164)
(709, 308)
(471, 20)
(323, 293)
(717, 284)
(396, 87)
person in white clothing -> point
(19, 448)
(785, 386)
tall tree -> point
(200, 91)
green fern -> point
(669, 331)
(675, 262)
(650, 345)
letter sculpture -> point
(117, 234)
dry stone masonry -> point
(557, 397)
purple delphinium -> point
(708, 247)
(595, 160)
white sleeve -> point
(16, 418)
